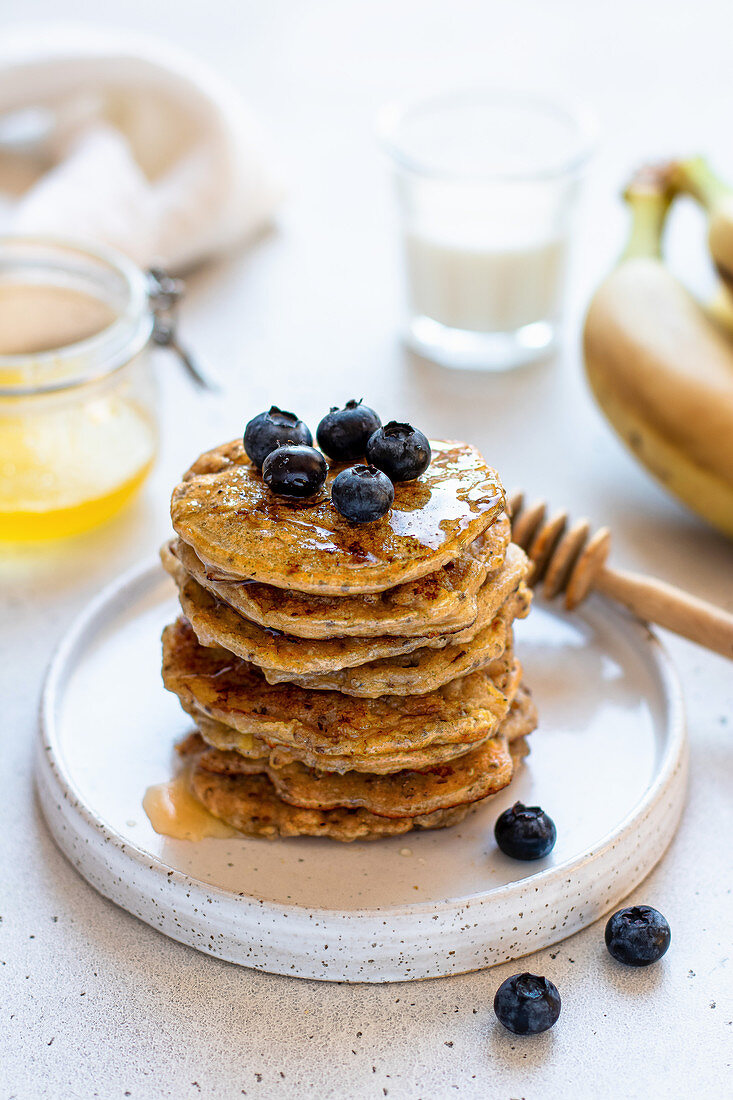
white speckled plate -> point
(608, 763)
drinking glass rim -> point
(105, 351)
(394, 113)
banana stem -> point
(695, 177)
(649, 197)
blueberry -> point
(525, 832)
(344, 433)
(362, 493)
(527, 1004)
(400, 450)
(638, 935)
(294, 470)
(268, 430)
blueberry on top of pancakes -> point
(268, 430)
(344, 433)
(294, 470)
(400, 450)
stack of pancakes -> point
(346, 680)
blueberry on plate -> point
(344, 433)
(294, 470)
(527, 1004)
(362, 493)
(268, 430)
(637, 935)
(400, 450)
(525, 832)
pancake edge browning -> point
(411, 792)
(233, 692)
(424, 670)
(520, 720)
(403, 610)
(225, 744)
(224, 738)
(251, 805)
(283, 656)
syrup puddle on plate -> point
(174, 812)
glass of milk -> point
(487, 185)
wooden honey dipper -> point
(568, 558)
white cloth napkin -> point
(130, 143)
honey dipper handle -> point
(669, 607)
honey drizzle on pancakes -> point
(225, 512)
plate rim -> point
(147, 573)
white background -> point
(95, 1003)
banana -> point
(658, 367)
(695, 177)
(720, 309)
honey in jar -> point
(78, 426)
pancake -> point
(225, 739)
(408, 793)
(225, 512)
(217, 624)
(444, 599)
(232, 691)
(423, 670)
(223, 748)
(250, 803)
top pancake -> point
(224, 510)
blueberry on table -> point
(400, 450)
(525, 832)
(527, 1004)
(344, 433)
(294, 470)
(362, 493)
(637, 935)
(270, 429)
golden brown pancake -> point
(442, 600)
(225, 739)
(224, 510)
(424, 669)
(408, 793)
(250, 804)
(215, 744)
(283, 656)
(232, 691)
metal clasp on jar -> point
(164, 294)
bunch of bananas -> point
(659, 364)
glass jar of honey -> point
(78, 424)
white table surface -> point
(94, 1003)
